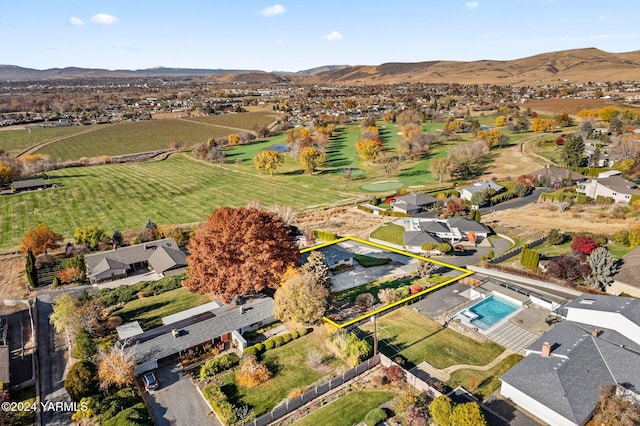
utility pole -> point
(375, 335)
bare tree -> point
(116, 366)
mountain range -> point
(576, 65)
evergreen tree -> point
(572, 151)
(603, 267)
(32, 272)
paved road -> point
(52, 354)
(177, 402)
(517, 202)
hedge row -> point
(529, 258)
(500, 198)
(220, 404)
(324, 235)
(218, 364)
(274, 342)
(127, 293)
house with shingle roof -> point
(558, 176)
(627, 279)
(559, 379)
(163, 256)
(220, 327)
(413, 203)
(452, 230)
(610, 185)
(466, 192)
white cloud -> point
(276, 9)
(472, 4)
(103, 18)
(76, 21)
(600, 37)
(333, 36)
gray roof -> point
(629, 273)
(333, 254)
(628, 307)
(568, 381)
(467, 225)
(619, 184)
(558, 173)
(107, 264)
(130, 254)
(29, 183)
(159, 342)
(167, 258)
(416, 238)
(434, 226)
(417, 199)
(482, 185)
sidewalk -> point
(444, 374)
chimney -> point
(175, 333)
(595, 332)
(546, 350)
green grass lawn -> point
(15, 141)
(149, 311)
(288, 364)
(245, 120)
(374, 287)
(487, 381)
(368, 261)
(347, 410)
(391, 233)
(406, 333)
(177, 190)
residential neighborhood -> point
(248, 215)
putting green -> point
(382, 186)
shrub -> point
(375, 416)
(251, 350)
(286, 338)
(82, 380)
(415, 288)
(345, 345)
(490, 255)
(218, 400)
(84, 347)
(303, 331)
(364, 301)
(55, 283)
(252, 372)
(296, 392)
(388, 296)
(428, 246)
(216, 365)
(365, 209)
(324, 235)
(583, 244)
(556, 237)
(294, 334)
(394, 373)
(403, 291)
(378, 380)
(259, 347)
(269, 344)
(443, 248)
(621, 238)
(278, 341)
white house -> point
(558, 381)
(466, 192)
(609, 184)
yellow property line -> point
(465, 273)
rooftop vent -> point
(175, 333)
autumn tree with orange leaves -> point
(239, 252)
(40, 239)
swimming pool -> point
(489, 311)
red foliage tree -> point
(583, 244)
(239, 252)
(40, 239)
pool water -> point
(490, 311)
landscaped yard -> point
(374, 287)
(416, 338)
(391, 233)
(347, 410)
(149, 311)
(368, 261)
(487, 382)
(288, 365)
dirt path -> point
(517, 160)
(13, 279)
(35, 148)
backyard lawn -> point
(391, 233)
(288, 364)
(487, 381)
(150, 310)
(347, 410)
(406, 333)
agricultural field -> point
(143, 136)
(15, 141)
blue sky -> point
(295, 35)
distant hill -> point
(577, 65)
